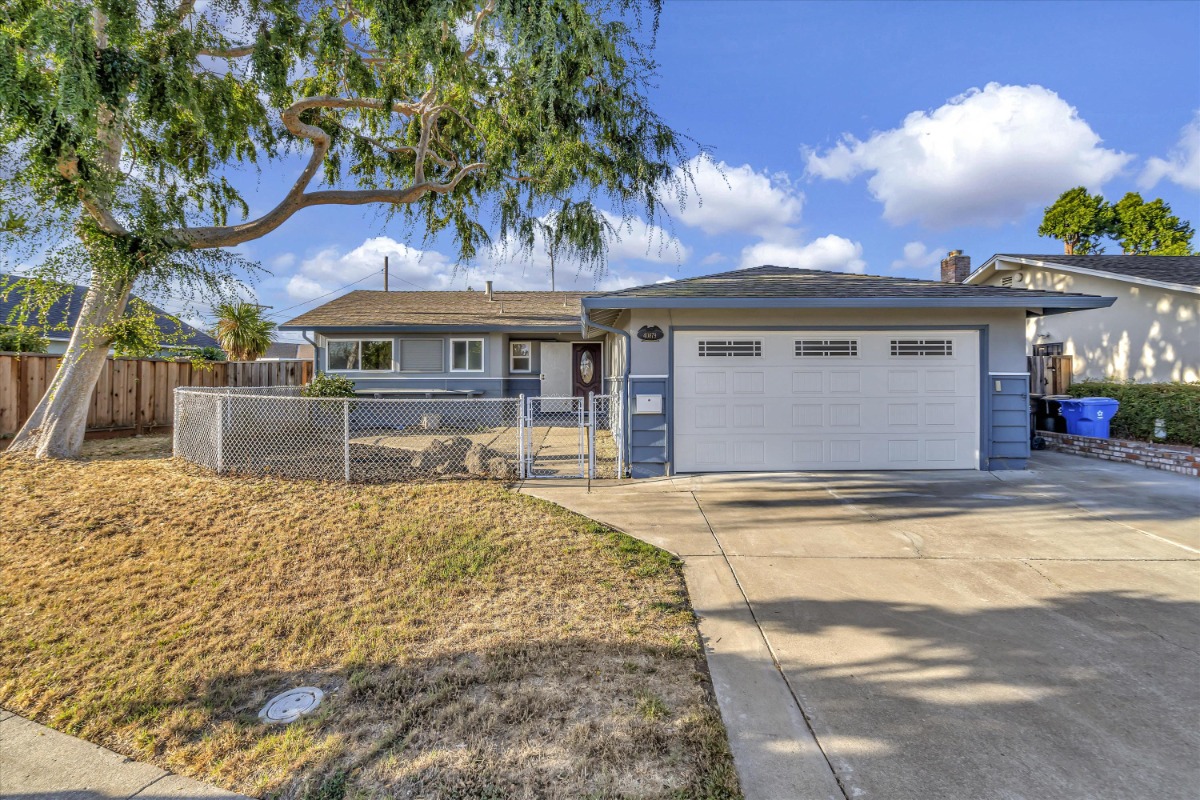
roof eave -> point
(1067, 302)
(447, 328)
(989, 266)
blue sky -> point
(854, 136)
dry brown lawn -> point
(473, 642)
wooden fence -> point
(1049, 374)
(132, 395)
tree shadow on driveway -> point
(1079, 695)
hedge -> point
(1177, 404)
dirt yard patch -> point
(473, 643)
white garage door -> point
(755, 401)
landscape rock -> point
(498, 467)
(443, 456)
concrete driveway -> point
(941, 635)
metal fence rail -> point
(275, 431)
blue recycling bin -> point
(1089, 416)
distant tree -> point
(1150, 228)
(243, 331)
(21, 340)
(1079, 220)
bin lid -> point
(1097, 401)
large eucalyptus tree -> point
(127, 117)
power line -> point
(410, 283)
(318, 297)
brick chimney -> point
(955, 267)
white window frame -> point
(482, 354)
(390, 367)
(512, 356)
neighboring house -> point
(288, 351)
(761, 369)
(1150, 334)
(62, 315)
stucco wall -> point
(1148, 335)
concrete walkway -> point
(38, 762)
(948, 634)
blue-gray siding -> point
(1008, 422)
(648, 432)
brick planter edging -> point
(1170, 457)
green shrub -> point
(21, 340)
(326, 385)
(1177, 404)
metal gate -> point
(570, 437)
(555, 431)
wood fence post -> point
(137, 399)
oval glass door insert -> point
(586, 368)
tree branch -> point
(297, 197)
(237, 51)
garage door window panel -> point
(730, 348)
(922, 348)
(826, 348)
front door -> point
(585, 369)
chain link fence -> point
(275, 431)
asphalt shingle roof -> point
(66, 311)
(369, 309)
(1167, 269)
(772, 282)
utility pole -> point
(385, 273)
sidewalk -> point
(38, 762)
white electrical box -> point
(648, 404)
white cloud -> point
(1182, 165)
(741, 199)
(330, 271)
(986, 156)
(919, 261)
(283, 261)
(635, 239)
(828, 252)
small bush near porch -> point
(472, 642)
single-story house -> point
(288, 351)
(761, 369)
(60, 320)
(1151, 332)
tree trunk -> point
(55, 428)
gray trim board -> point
(447, 330)
(1065, 302)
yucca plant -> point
(243, 331)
